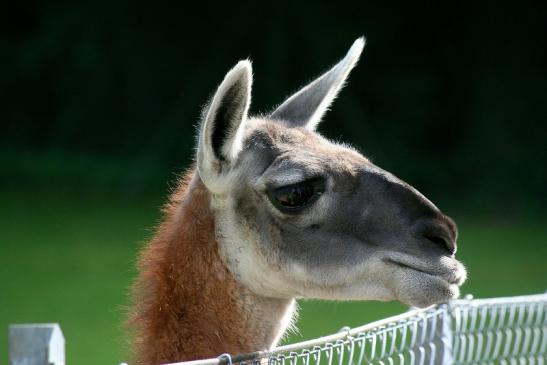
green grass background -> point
(69, 258)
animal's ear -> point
(223, 123)
(306, 107)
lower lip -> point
(403, 265)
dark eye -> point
(294, 197)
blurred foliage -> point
(449, 97)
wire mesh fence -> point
(500, 332)
(484, 331)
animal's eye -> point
(294, 197)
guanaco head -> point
(299, 216)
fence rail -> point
(467, 331)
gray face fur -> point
(360, 233)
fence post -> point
(36, 344)
(447, 336)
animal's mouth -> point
(454, 275)
(421, 281)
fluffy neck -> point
(188, 305)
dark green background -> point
(450, 98)
(99, 102)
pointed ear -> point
(222, 126)
(307, 106)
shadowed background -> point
(99, 103)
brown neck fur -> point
(187, 303)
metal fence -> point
(483, 331)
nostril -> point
(438, 234)
(442, 242)
(438, 240)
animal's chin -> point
(420, 286)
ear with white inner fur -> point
(306, 107)
(222, 127)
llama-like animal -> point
(271, 212)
